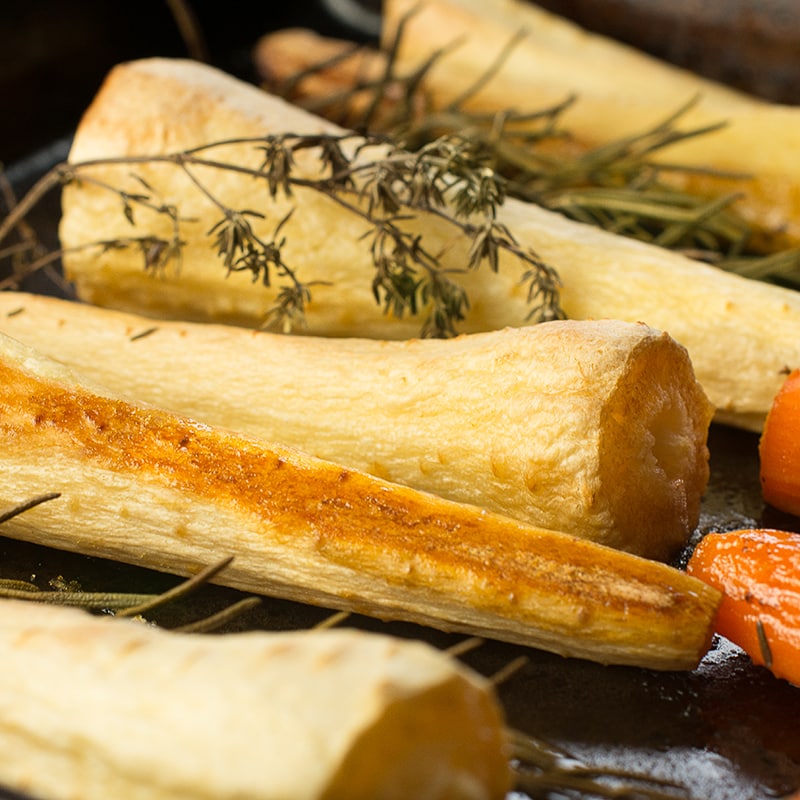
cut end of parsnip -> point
(655, 427)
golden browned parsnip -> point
(142, 485)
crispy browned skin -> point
(310, 530)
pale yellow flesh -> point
(142, 485)
(595, 428)
(98, 708)
(741, 335)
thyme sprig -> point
(380, 184)
(450, 178)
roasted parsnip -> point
(618, 91)
(143, 485)
(322, 73)
(101, 708)
(741, 334)
(596, 428)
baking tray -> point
(726, 731)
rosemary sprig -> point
(618, 186)
(621, 186)
(129, 604)
(121, 604)
(543, 770)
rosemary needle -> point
(465, 646)
(27, 505)
(333, 620)
(542, 768)
(181, 590)
(94, 601)
(220, 618)
(508, 670)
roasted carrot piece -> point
(758, 572)
(779, 448)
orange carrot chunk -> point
(779, 449)
(758, 572)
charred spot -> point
(96, 419)
(339, 503)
